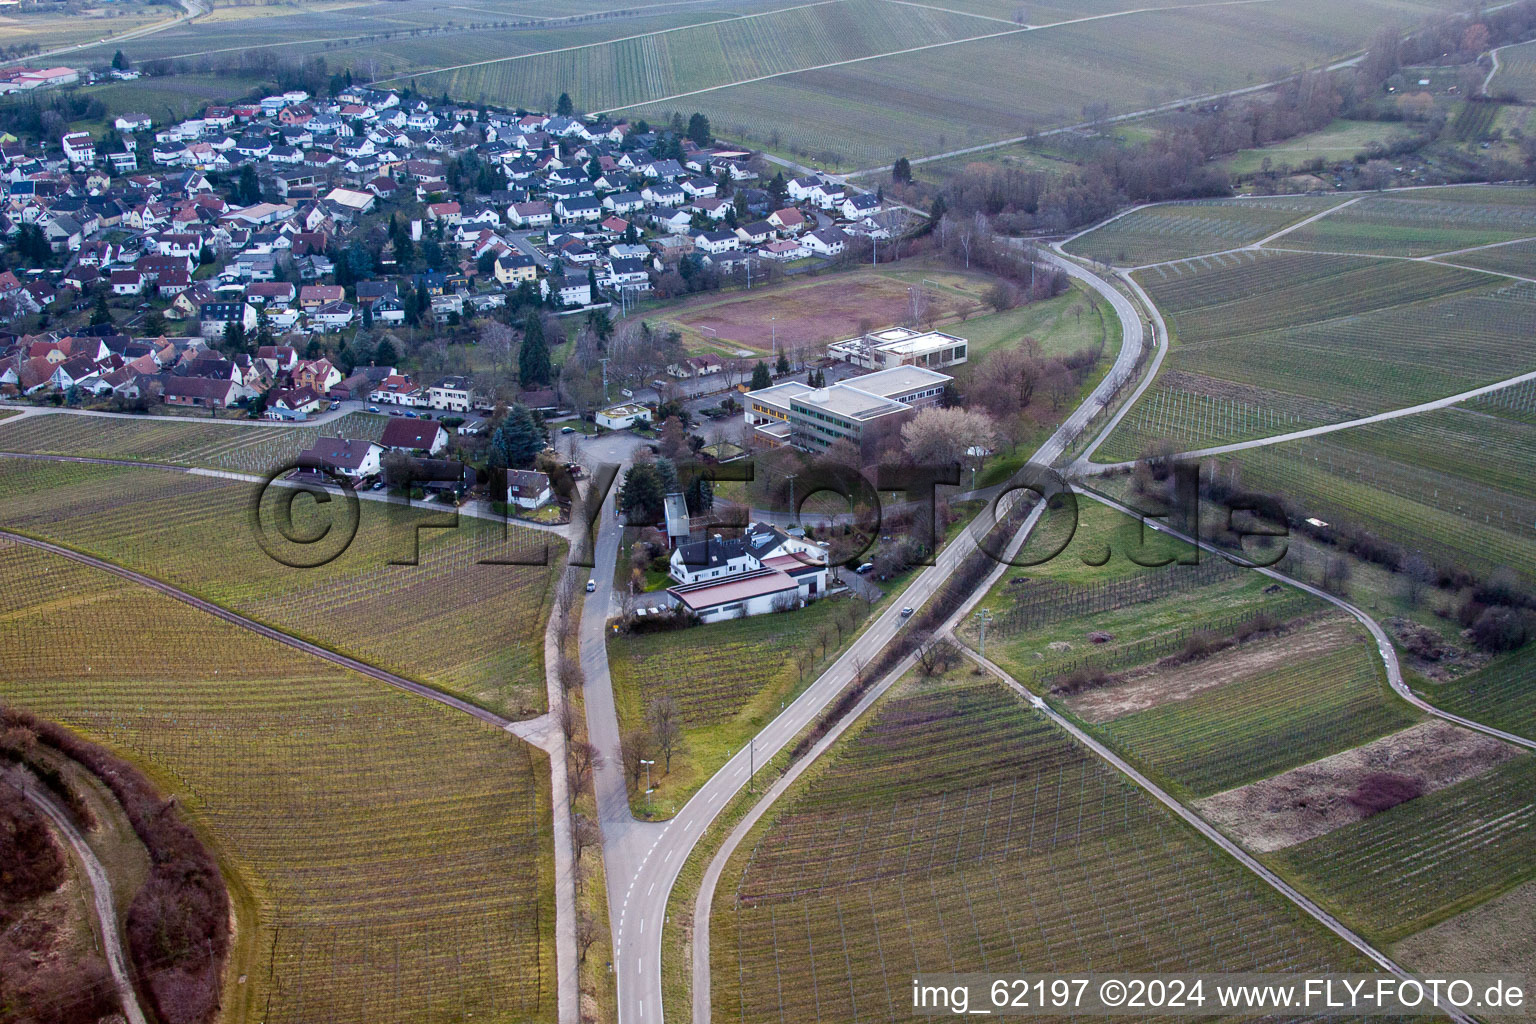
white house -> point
(348, 457)
(527, 489)
(764, 570)
(622, 417)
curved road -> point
(643, 858)
(101, 893)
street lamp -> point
(648, 789)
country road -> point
(643, 859)
(102, 901)
(192, 8)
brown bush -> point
(1381, 791)
(1081, 679)
(178, 924)
(31, 863)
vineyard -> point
(726, 679)
(1294, 340)
(475, 629)
(1251, 728)
(1473, 121)
(388, 857)
(1422, 223)
(1502, 695)
(240, 447)
(956, 830)
(1173, 231)
(1517, 72)
(1516, 403)
(1424, 860)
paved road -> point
(101, 892)
(643, 859)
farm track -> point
(102, 903)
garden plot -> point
(1350, 786)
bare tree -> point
(587, 933)
(666, 724)
(941, 437)
(585, 835)
(935, 655)
(637, 750)
(582, 760)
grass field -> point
(1341, 140)
(241, 447)
(1436, 855)
(727, 679)
(1174, 231)
(475, 629)
(388, 858)
(956, 830)
(1298, 339)
(1252, 728)
(1419, 223)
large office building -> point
(901, 346)
(814, 418)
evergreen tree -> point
(700, 495)
(563, 106)
(518, 439)
(641, 497)
(154, 324)
(782, 367)
(592, 292)
(119, 61)
(901, 172)
(533, 357)
(761, 378)
(248, 191)
(698, 130)
(234, 338)
(385, 355)
(778, 191)
(101, 315)
(666, 476)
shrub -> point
(1499, 629)
(1381, 791)
(1081, 679)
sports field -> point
(388, 858)
(475, 629)
(956, 830)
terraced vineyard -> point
(1172, 231)
(1255, 727)
(957, 830)
(240, 447)
(475, 629)
(388, 858)
(1419, 223)
(1432, 856)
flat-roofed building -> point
(815, 418)
(901, 346)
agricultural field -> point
(769, 657)
(1517, 258)
(1256, 726)
(1422, 222)
(1434, 856)
(44, 29)
(1502, 694)
(1339, 141)
(451, 620)
(956, 830)
(1478, 512)
(1174, 231)
(388, 859)
(1517, 72)
(1072, 321)
(1305, 339)
(238, 446)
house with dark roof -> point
(424, 436)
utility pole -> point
(792, 517)
(604, 361)
(983, 617)
(773, 327)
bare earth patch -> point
(1498, 937)
(814, 314)
(1148, 687)
(1313, 800)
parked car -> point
(373, 408)
(659, 385)
(591, 585)
(567, 430)
(866, 567)
(626, 392)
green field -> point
(1502, 695)
(727, 679)
(475, 629)
(1295, 340)
(1340, 141)
(388, 858)
(1174, 231)
(1063, 325)
(1517, 72)
(1518, 258)
(1436, 855)
(1422, 222)
(1252, 728)
(37, 26)
(236, 445)
(957, 830)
